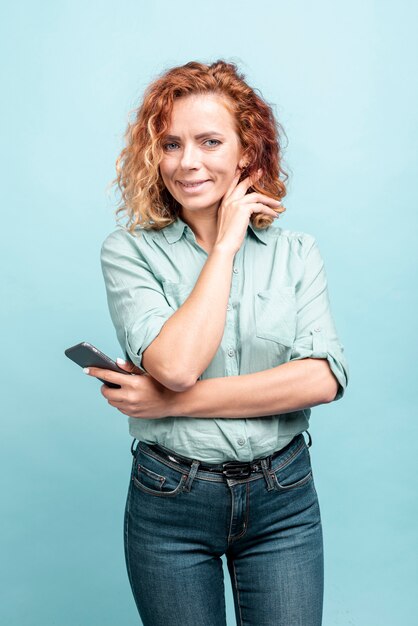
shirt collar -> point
(174, 231)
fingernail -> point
(86, 370)
(121, 361)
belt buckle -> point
(236, 469)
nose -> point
(190, 158)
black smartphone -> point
(86, 355)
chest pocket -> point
(176, 293)
(275, 315)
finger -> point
(128, 366)
(108, 375)
(242, 187)
(261, 198)
(258, 207)
(125, 365)
(124, 411)
(233, 184)
(112, 395)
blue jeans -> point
(180, 520)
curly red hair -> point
(144, 197)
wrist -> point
(221, 249)
(175, 403)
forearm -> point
(191, 336)
(289, 387)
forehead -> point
(195, 111)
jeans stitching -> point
(232, 538)
(126, 537)
(163, 494)
(286, 462)
(237, 592)
(299, 483)
(232, 515)
(153, 475)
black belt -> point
(231, 469)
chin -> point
(200, 200)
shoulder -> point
(297, 241)
(122, 239)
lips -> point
(192, 182)
(194, 187)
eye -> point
(166, 146)
(216, 140)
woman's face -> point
(201, 146)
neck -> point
(203, 224)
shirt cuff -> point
(140, 336)
(317, 346)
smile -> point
(193, 186)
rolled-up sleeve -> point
(316, 334)
(137, 304)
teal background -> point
(341, 79)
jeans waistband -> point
(232, 469)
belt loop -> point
(192, 474)
(132, 447)
(310, 438)
(265, 467)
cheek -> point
(226, 179)
(166, 169)
(225, 169)
(168, 183)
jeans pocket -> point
(295, 472)
(155, 478)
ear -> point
(243, 162)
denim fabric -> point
(180, 520)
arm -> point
(289, 387)
(146, 325)
(317, 366)
(316, 373)
(203, 314)
(190, 336)
(316, 333)
(283, 389)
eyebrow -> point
(199, 136)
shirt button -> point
(241, 441)
(231, 352)
(317, 329)
(228, 308)
(235, 270)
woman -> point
(226, 323)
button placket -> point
(231, 326)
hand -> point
(140, 395)
(236, 208)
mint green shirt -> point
(278, 310)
